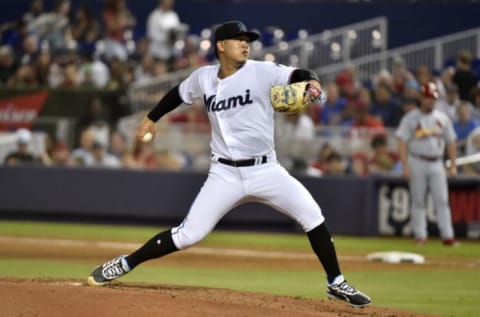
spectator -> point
(362, 118)
(424, 75)
(386, 107)
(464, 77)
(85, 29)
(464, 125)
(194, 116)
(348, 114)
(118, 144)
(168, 160)
(36, 9)
(299, 127)
(445, 79)
(321, 160)
(30, 49)
(13, 34)
(121, 75)
(450, 103)
(472, 147)
(400, 77)
(383, 78)
(160, 68)
(162, 22)
(144, 71)
(42, 68)
(331, 112)
(359, 164)
(54, 27)
(383, 160)
(476, 102)
(24, 77)
(298, 132)
(411, 90)
(101, 158)
(365, 95)
(61, 155)
(48, 144)
(142, 49)
(129, 161)
(70, 76)
(190, 56)
(335, 165)
(8, 65)
(363, 126)
(144, 68)
(82, 155)
(22, 155)
(93, 73)
(347, 83)
(96, 121)
(117, 19)
(55, 75)
(144, 155)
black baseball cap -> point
(232, 29)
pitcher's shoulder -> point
(207, 69)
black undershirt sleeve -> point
(169, 102)
(302, 75)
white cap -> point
(24, 136)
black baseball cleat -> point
(108, 271)
(346, 292)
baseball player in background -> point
(243, 160)
(423, 134)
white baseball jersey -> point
(238, 106)
(241, 118)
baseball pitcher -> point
(240, 97)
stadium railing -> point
(434, 53)
(331, 46)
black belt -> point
(426, 157)
(241, 163)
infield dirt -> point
(73, 298)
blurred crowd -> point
(65, 49)
(371, 111)
(85, 49)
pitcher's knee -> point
(184, 239)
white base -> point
(395, 257)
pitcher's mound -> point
(51, 297)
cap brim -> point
(252, 36)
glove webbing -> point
(314, 92)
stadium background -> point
(44, 263)
(408, 22)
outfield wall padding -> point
(162, 197)
(351, 205)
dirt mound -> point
(52, 297)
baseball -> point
(147, 137)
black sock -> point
(160, 245)
(322, 244)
